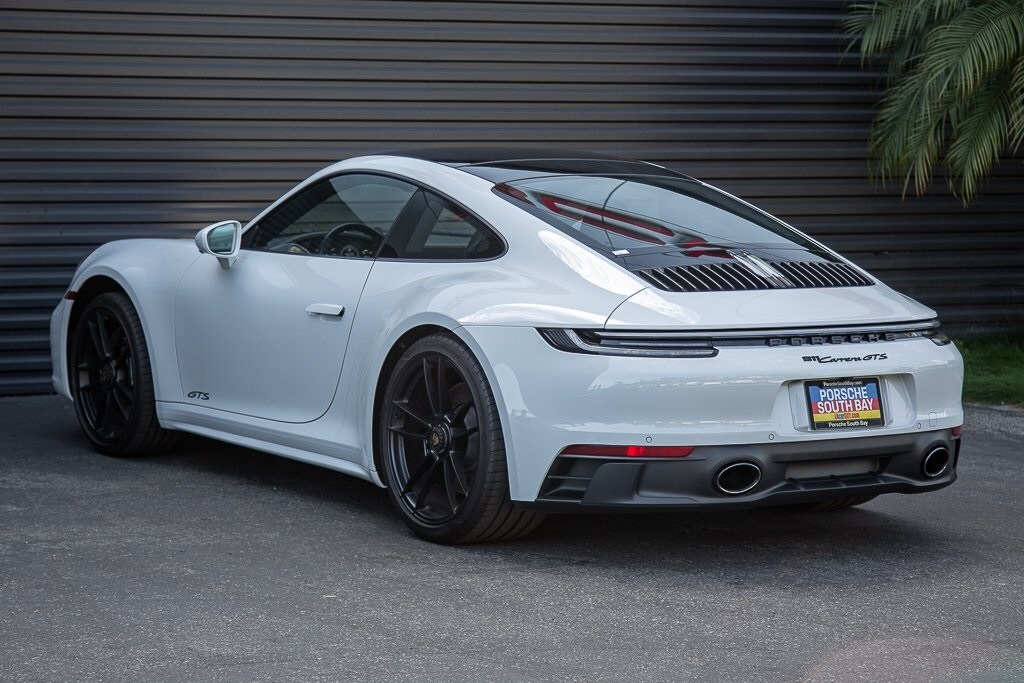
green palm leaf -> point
(978, 139)
(969, 49)
(954, 87)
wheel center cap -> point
(107, 373)
(438, 439)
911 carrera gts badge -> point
(201, 395)
(845, 359)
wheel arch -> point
(496, 515)
(106, 278)
(88, 290)
(141, 432)
(407, 339)
(404, 341)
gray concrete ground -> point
(220, 563)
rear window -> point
(643, 214)
(441, 229)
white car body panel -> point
(652, 309)
(299, 385)
(292, 357)
(148, 271)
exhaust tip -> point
(935, 462)
(737, 478)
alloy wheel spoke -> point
(449, 486)
(118, 340)
(404, 407)
(458, 471)
(123, 398)
(431, 387)
(108, 400)
(464, 432)
(400, 429)
(92, 402)
(441, 387)
(460, 411)
(97, 341)
(104, 335)
(429, 482)
(418, 474)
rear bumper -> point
(741, 402)
(789, 473)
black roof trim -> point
(543, 159)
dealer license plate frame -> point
(844, 423)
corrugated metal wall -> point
(145, 117)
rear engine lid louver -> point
(724, 277)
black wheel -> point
(443, 450)
(111, 380)
(837, 504)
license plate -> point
(836, 404)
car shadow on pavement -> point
(773, 547)
(788, 541)
(264, 469)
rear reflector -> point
(956, 430)
(628, 451)
(70, 295)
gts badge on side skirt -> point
(201, 395)
(845, 359)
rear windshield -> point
(644, 214)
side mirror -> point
(222, 240)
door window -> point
(347, 215)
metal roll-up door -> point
(146, 118)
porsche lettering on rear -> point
(821, 340)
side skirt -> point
(172, 416)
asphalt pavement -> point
(224, 564)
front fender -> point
(148, 271)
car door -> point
(267, 337)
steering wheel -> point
(351, 239)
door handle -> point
(329, 310)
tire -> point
(443, 449)
(829, 505)
(111, 380)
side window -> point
(444, 230)
(347, 215)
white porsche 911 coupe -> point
(494, 335)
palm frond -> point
(981, 40)
(908, 132)
(954, 81)
(902, 58)
(879, 26)
(1016, 90)
(979, 137)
